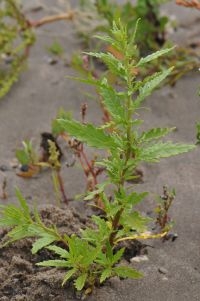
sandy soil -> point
(28, 110)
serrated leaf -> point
(41, 243)
(153, 56)
(89, 81)
(155, 133)
(113, 64)
(117, 256)
(99, 189)
(127, 272)
(80, 281)
(53, 263)
(150, 85)
(9, 217)
(107, 39)
(105, 274)
(18, 233)
(68, 275)
(112, 101)
(59, 251)
(135, 221)
(23, 202)
(93, 136)
(163, 150)
(135, 198)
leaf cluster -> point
(15, 38)
(150, 35)
(25, 224)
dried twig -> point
(189, 3)
(49, 19)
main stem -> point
(128, 150)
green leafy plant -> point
(93, 255)
(27, 155)
(15, 39)
(32, 163)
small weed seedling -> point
(93, 255)
(163, 220)
(28, 159)
(52, 160)
(31, 163)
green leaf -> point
(59, 251)
(127, 272)
(41, 243)
(135, 221)
(153, 56)
(89, 80)
(80, 281)
(99, 189)
(135, 198)
(105, 274)
(150, 85)
(53, 263)
(163, 150)
(23, 202)
(117, 256)
(18, 232)
(93, 136)
(113, 64)
(155, 133)
(112, 101)
(22, 156)
(68, 275)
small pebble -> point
(24, 168)
(51, 60)
(163, 270)
(4, 167)
(37, 8)
(139, 258)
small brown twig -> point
(50, 19)
(189, 3)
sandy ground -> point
(28, 110)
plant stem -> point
(60, 181)
(115, 226)
(128, 150)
